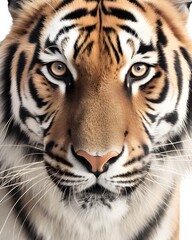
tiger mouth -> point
(96, 189)
(68, 189)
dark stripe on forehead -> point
(82, 12)
(122, 14)
(179, 74)
(145, 48)
(129, 30)
(20, 68)
(51, 47)
(64, 30)
(63, 4)
(78, 47)
(35, 33)
(135, 2)
(107, 31)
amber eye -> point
(57, 69)
(139, 70)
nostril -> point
(82, 160)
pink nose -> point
(97, 162)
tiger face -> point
(101, 86)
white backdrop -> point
(186, 188)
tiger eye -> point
(138, 70)
(58, 69)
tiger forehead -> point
(99, 28)
(98, 19)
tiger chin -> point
(95, 120)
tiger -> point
(95, 119)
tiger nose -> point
(96, 164)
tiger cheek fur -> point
(95, 100)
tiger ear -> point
(14, 6)
(183, 5)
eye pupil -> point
(139, 70)
(57, 69)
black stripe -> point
(145, 48)
(6, 78)
(20, 68)
(129, 30)
(24, 114)
(189, 102)
(162, 95)
(88, 48)
(76, 14)
(122, 14)
(78, 48)
(107, 49)
(171, 145)
(33, 91)
(93, 12)
(63, 31)
(156, 219)
(146, 85)
(14, 129)
(119, 45)
(135, 2)
(107, 31)
(161, 57)
(63, 173)
(131, 174)
(52, 46)
(35, 58)
(179, 74)
(63, 4)
(22, 214)
(186, 56)
(162, 39)
(35, 33)
(170, 118)
(147, 132)
(145, 149)
(59, 159)
(152, 117)
(147, 105)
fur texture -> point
(57, 130)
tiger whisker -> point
(34, 196)
(166, 170)
(172, 143)
(5, 128)
(17, 176)
(26, 165)
(22, 146)
(51, 186)
(8, 215)
(17, 184)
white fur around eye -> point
(136, 84)
(51, 79)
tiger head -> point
(103, 86)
